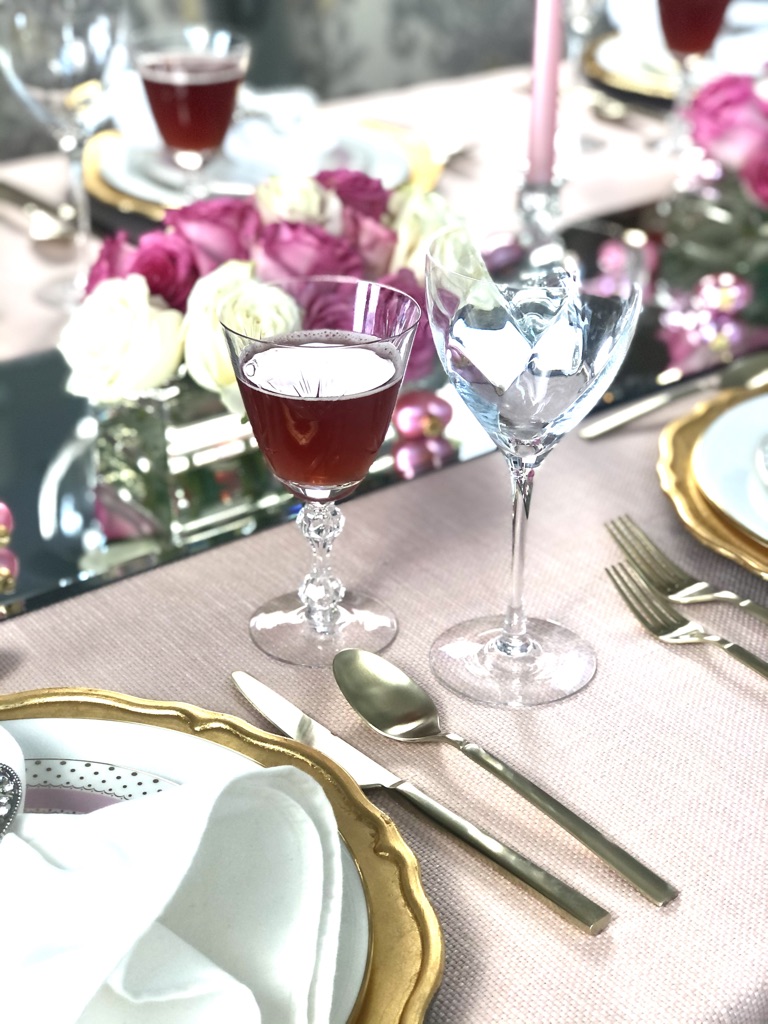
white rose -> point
(120, 341)
(252, 308)
(414, 217)
(299, 200)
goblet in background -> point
(530, 356)
(319, 393)
(191, 74)
(53, 54)
(689, 28)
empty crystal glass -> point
(530, 352)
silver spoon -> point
(10, 797)
(750, 371)
(396, 706)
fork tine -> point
(630, 599)
(638, 546)
(649, 606)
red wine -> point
(690, 26)
(320, 405)
(192, 97)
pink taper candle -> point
(547, 52)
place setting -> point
(326, 719)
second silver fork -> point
(670, 579)
(666, 623)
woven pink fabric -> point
(665, 750)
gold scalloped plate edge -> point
(405, 961)
(651, 86)
(705, 522)
(93, 157)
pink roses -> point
(339, 222)
(729, 120)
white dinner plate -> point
(724, 464)
(76, 765)
(251, 154)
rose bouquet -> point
(729, 121)
(150, 312)
(712, 275)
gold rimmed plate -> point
(401, 965)
(615, 62)
(678, 481)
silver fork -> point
(667, 577)
(666, 623)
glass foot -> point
(282, 630)
(467, 660)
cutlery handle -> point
(758, 610)
(744, 656)
(638, 875)
(634, 410)
(560, 895)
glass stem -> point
(514, 639)
(73, 148)
(320, 593)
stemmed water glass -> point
(319, 383)
(530, 352)
(53, 54)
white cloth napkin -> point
(205, 903)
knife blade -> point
(367, 773)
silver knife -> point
(368, 774)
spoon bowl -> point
(398, 707)
(389, 700)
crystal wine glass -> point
(689, 28)
(530, 356)
(53, 54)
(191, 75)
(319, 383)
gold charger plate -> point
(710, 526)
(638, 82)
(405, 956)
(96, 150)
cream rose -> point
(299, 200)
(252, 308)
(120, 341)
(414, 217)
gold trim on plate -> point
(705, 522)
(93, 157)
(649, 84)
(405, 958)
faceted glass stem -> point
(320, 593)
(514, 639)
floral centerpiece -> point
(145, 346)
(150, 308)
(712, 275)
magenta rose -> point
(754, 173)
(295, 250)
(374, 241)
(114, 260)
(218, 230)
(728, 121)
(357, 191)
(167, 261)
(423, 353)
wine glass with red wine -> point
(319, 391)
(689, 28)
(191, 75)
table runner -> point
(665, 750)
